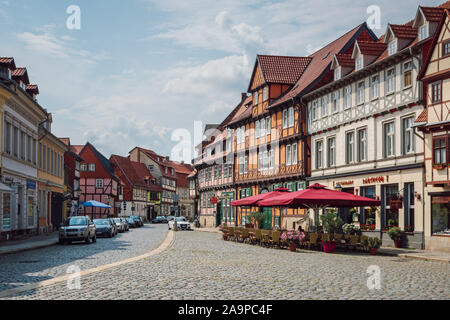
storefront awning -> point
(5, 188)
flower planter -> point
(329, 247)
(398, 243)
(439, 166)
(292, 247)
(373, 251)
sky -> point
(140, 72)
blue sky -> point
(140, 69)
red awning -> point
(253, 201)
(318, 196)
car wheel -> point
(87, 240)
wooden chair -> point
(243, 235)
(275, 240)
(258, 237)
(338, 238)
(353, 242)
(265, 236)
(237, 233)
(313, 240)
(231, 233)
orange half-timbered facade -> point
(434, 123)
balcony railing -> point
(277, 171)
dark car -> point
(131, 222)
(138, 221)
(77, 229)
(104, 228)
(159, 219)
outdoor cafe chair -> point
(265, 237)
(244, 234)
(313, 240)
(237, 233)
(353, 242)
(257, 239)
(230, 233)
(275, 240)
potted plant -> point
(396, 235)
(439, 166)
(409, 229)
(355, 214)
(331, 223)
(293, 237)
(373, 244)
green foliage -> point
(372, 242)
(395, 233)
(331, 222)
(256, 217)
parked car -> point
(77, 229)
(182, 223)
(159, 219)
(170, 218)
(116, 228)
(125, 224)
(138, 220)
(120, 226)
(131, 222)
(104, 228)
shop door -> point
(344, 213)
(56, 209)
(219, 213)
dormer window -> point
(337, 73)
(423, 31)
(359, 63)
(392, 47)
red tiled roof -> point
(33, 88)
(371, 48)
(432, 14)
(143, 173)
(76, 149)
(423, 117)
(282, 69)
(66, 141)
(345, 60)
(130, 170)
(321, 60)
(403, 31)
(18, 72)
(244, 111)
(8, 61)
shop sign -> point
(31, 184)
(213, 200)
(345, 183)
(371, 180)
(395, 204)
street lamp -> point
(337, 187)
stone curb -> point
(206, 230)
(165, 244)
(5, 251)
(433, 259)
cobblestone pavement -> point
(200, 265)
(46, 263)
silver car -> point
(77, 229)
(120, 225)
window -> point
(265, 94)
(407, 135)
(331, 151)
(265, 160)
(409, 206)
(440, 150)
(288, 155)
(337, 73)
(255, 98)
(92, 167)
(294, 154)
(388, 139)
(436, 92)
(374, 87)
(22, 145)
(16, 142)
(319, 154)
(285, 119)
(8, 138)
(350, 147)
(324, 106)
(268, 126)
(29, 148)
(243, 133)
(34, 151)
(291, 116)
(263, 127)
(423, 31)
(360, 92)
(335, 101)
(241, 165)
(359, 63)
(407, 74)
(440, 215)
(271, 159)
(446, 48)
(347, 97)
(260, 161)
(392, 47)
(313, 111)
(257, 129)
(362, 145)
(246, 164)
(391, 216)
(390, 80)
(99, 183)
